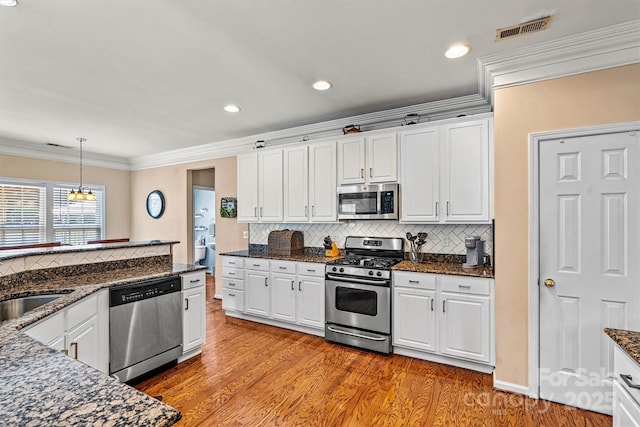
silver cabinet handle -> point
(370, 172)
(194, 281)
(256, 265)
(232, 295)
(361, 173)
(232, 262)
(464, 286)
(306, 213)
(436, 208)
(261, 214)
(414, 281)
(186, 307)
(231, 284)
(292, 285)
(300, 286)
(313, 210)
(282, 268)
(444, 306)
(431, 304)
(230, 273)
(255, 211)
(74, 345)
(627, 380)
(266, 281)
(447, 208)
(310, 270)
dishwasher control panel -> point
(125, 294)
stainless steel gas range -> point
(358, 293)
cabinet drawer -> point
(311, 269)
(232, 261)
(283, 267)
(193, 280)
(256, 264)
(81, 311)
(624, 365)
(232, 273)
(414, 280)
(465, 285)
(232, 300)
(232, 283)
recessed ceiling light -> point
(231, 108)
(8, 2)
(322, 85)
(457, 51)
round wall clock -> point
(155, 204)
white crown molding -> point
(61, 154)
(607, 47)
(431, 111)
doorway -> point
(585, 225)
(202, 212)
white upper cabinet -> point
(371, 159)
(381, 153)
(420, 175)
(247, 208)
(445, 173)
(260, 186)
(351, 161)
(296, 184)
(465, 181)
(322, 182)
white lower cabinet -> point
(288, 294)
(444, 318)
(626, 396)
(194, 325)
(81, 331)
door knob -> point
(549, 283)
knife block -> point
(334, 251)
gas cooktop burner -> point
(367, 262)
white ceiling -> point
(147, 76)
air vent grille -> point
(524, 28)
(52, 144)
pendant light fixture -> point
(79, 195)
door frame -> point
(535, 139)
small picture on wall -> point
(228, 207)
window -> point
(38, 212)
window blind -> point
(22, 214)
(76, 222)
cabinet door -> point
(322, 182)
(247, 209)
(296, 185)
(626, 411)
(256, 292)
(283, 297)
(311, 301)
(351, 161)
(420, 176)
(270, 191)
(82, 342)
(193, 318)
(465, 326)
(49, 331)
(382, 158)
(465, 177)
(414, 319)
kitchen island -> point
(41, 386)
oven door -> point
(358, 305)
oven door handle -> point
(362, 281)
(353, 334)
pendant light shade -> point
(80, 195)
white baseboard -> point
(217, 296)
(513, 388)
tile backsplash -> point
(447, 239)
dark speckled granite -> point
(40, 386)
(443, 268)
(309, 255)
(629, 341)
(17, 253)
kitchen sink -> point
(16, 307)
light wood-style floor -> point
(256, 375)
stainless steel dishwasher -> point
(145, 326)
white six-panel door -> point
(589, 260)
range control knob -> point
(341, 270)
(370, 272)
(379, 273)
(334, 269)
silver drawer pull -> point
(232, 295)
(194, 281)
(414, 281)
(627, 380)
(282, 268)
(465, 286)
(231, 284)
(256, 265)
(232, 262)
(231, 273)
(310, 270)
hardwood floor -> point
(256, 375)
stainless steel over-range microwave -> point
(371, 201)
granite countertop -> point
(40, 386)
(629, 341)
(443, 267)
(16, 253)
(306, 257)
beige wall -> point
(116, 182)
(602, 97)
(176, 223)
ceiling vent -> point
(524, 28)
(51, 144)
